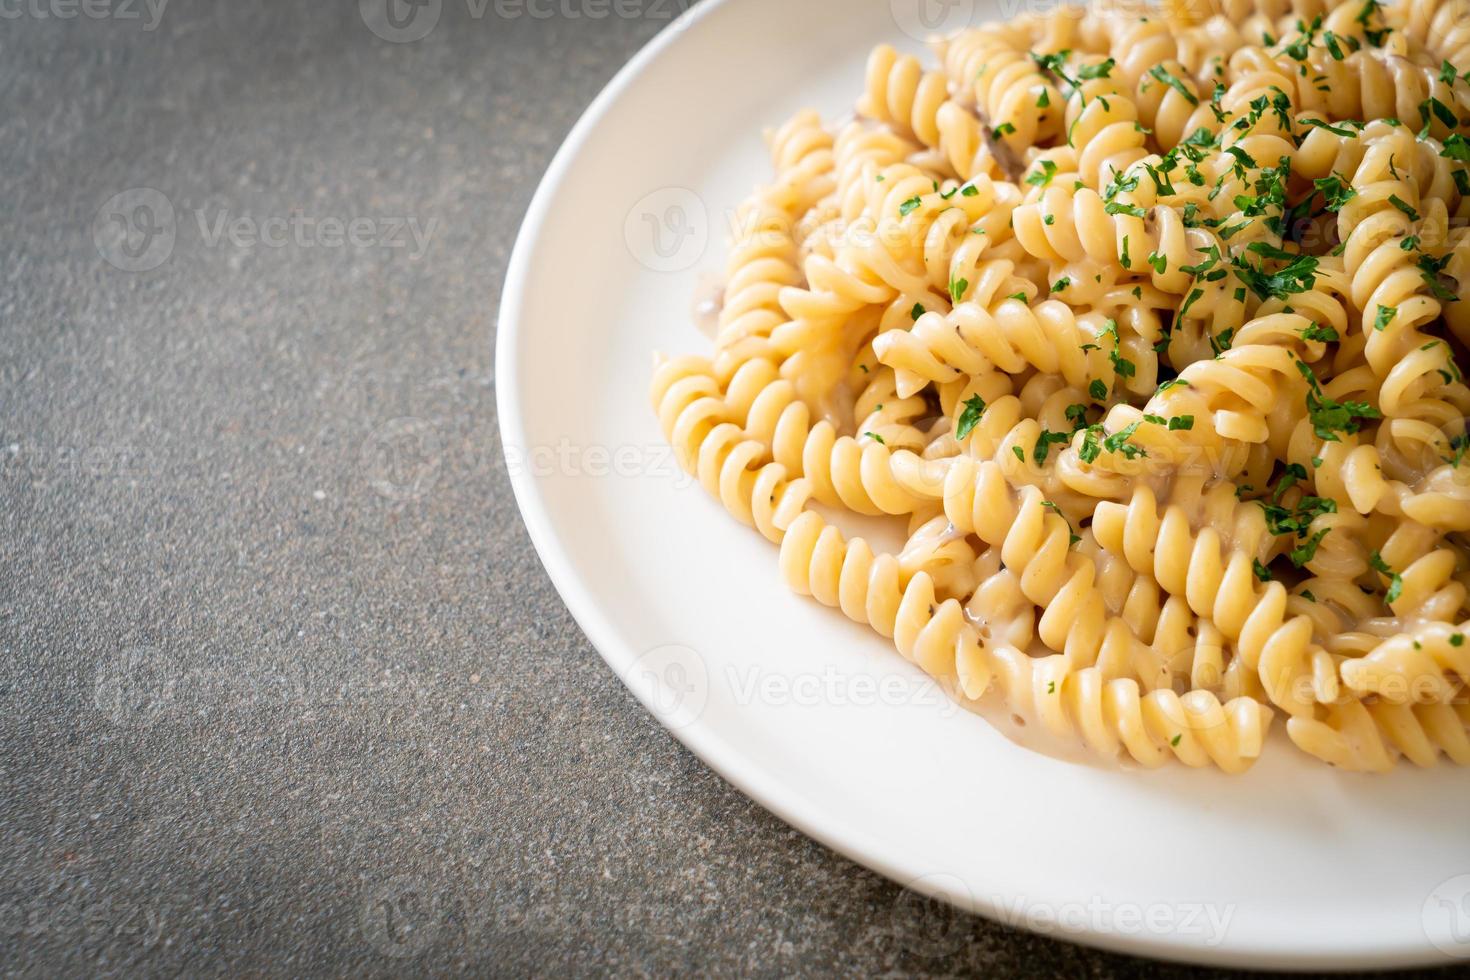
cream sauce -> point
(709, 300)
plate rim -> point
(699, 736)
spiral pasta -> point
(1146, 330)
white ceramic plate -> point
(1292, 865)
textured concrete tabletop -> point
(285, 688)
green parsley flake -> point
(1395, 580)
(1042, 177)
(974, 407)
(1162, 74)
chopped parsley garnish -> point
(974, 407)
(1297, 276)
(1430, 269)
(1220, 342)
(1403, 206)
(1242, 159)
(1306, 551)
(1044, 443)
(1089, 450)
(1195, 295)
(1124, 367)
(1316, 331)
(1201, 137)
(1297, 521)
(1319, 124)
(1042, 177)
(1119, 185)
(1162, 74)
(1330, 417)
(1432, 108)
(1395, 580)
(1118, 442)
(1335, 191)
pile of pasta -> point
(1143, 321)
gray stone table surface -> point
(284, 688)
